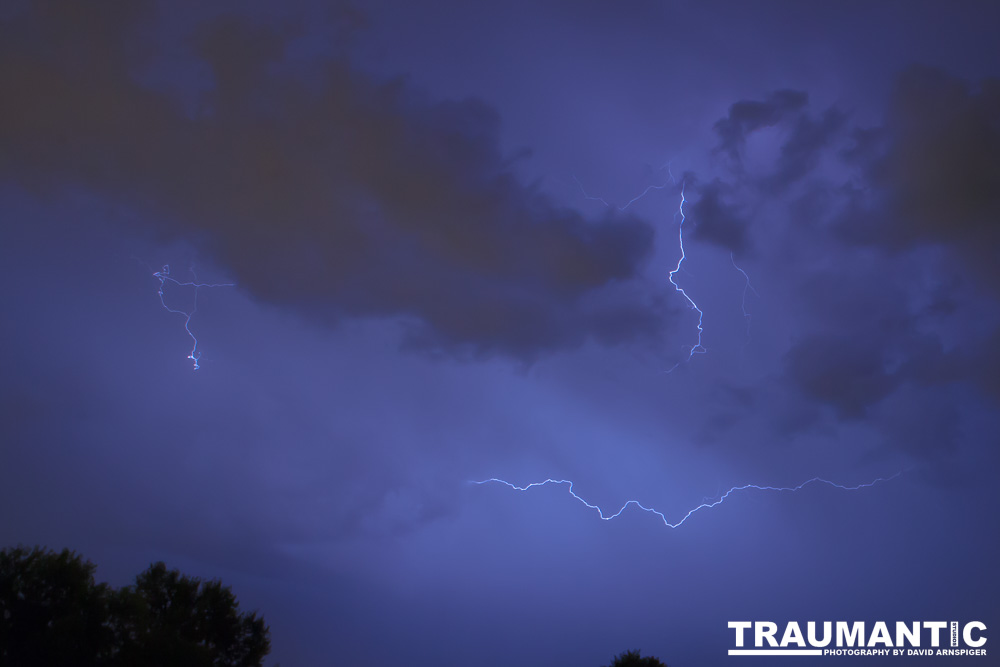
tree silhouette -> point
(633, 659)
(168, 618)
(53, 613)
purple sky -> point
(429, 291)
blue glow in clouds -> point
(163, 275)
(704, 505)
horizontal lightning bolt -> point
(704, 505)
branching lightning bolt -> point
(746, 288)
(703, 505)
(163, 276)
(633, 200)
(697, 347)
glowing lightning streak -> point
(588, 197)
(163, 275)
(746, 288)
(704, 505)
(633, 199)
(697, 347)
(644, 193)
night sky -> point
(439, 274)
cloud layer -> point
(334, 193)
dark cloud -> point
(943, 167)
(932, 178)
(867, 144)
(748, 116)
(719, 222)
(987, 364)
(840, 372)
(855, 372)
(335, 194)
(937, 181)
(879, 354)
(801, 153)
(324, 473)
(865, 336)
(806, 138)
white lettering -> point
(935, 627)
(856, 636)
(792, 634)
(739, 626)
(912, 634)
(765, 630)
(880, 635)
(827, 633)
(967, 634)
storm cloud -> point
(719, 222)
(748, 116)
(425, 298)
(935, 171)
(335, 194)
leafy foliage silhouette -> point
(634, 659)
(53, 613)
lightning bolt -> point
(702, 506)
(630, 201)
(164, 277)
(746, 288)
(589, 197)
(697, 347)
